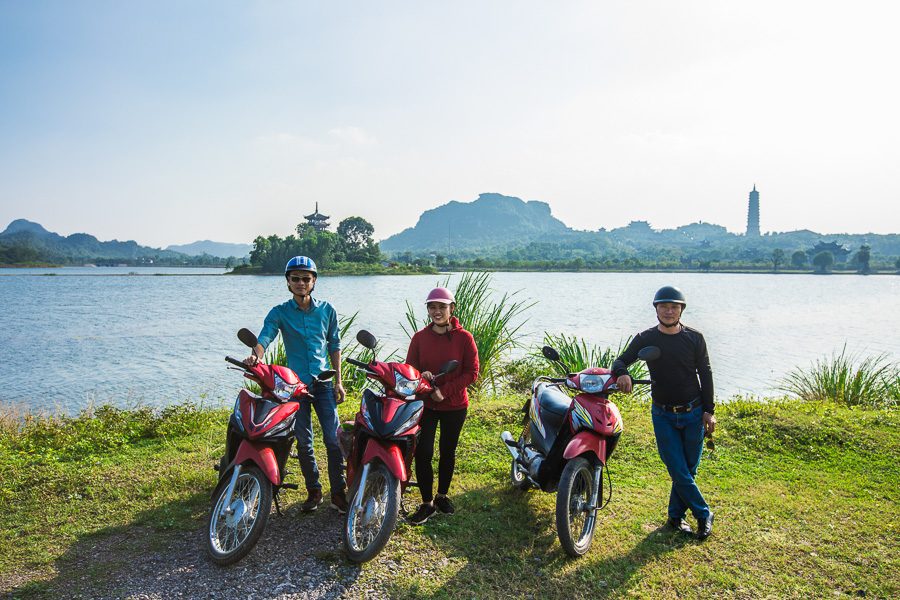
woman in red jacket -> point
(430, 348)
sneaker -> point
(421, 515)
(339, 501)
(444, 505)
(704, 527)
(313, 500)
(680, 525)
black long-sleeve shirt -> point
(682, 371)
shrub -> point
(847, 379)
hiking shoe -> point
(704, 527)
(421, 515)
(339, 501)
(443, 504)
(680, 525)
(313, 500)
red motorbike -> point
(258, 444)
(383, 444)
(565, 444)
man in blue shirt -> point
(309, 329)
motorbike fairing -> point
(548, 412)
(389, 454)
(597, 413)
(387, 414)
(261, 417)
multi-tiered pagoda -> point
(317, 220)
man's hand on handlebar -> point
(427, 375)
(624, 384)
(252, 360)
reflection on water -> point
(79, 339)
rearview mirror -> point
(450, 366)
(248, 338)
(366, 339)
(550, 353)
(649, 353)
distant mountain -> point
(491, 221)
(79, 247)
(498, 226)
(220, 249)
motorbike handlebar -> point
(236, 362)
(358, 363)
(643, 381)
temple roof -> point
(316, 216)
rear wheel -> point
(372, 514)
(575, 520)
(235, 528)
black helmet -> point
(669, 293)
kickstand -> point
(277, 503)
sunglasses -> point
(298, 279)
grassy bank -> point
(806, 500)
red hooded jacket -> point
(429, 351)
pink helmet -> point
(440, 294)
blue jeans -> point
(679, 440)
(326, 410)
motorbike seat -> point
(553, 401)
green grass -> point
(848, 380)
(805, 493)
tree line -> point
(352, 243)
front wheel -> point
(575, 519)
(372, 514)
(235, 528)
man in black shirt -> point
(683, 405)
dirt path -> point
(299, 556)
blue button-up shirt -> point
(309, 335)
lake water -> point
(100, 335)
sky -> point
(170, 122)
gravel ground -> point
(298, 556)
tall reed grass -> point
(872, 381)
(492, 323)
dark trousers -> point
(451, 426)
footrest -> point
(412, 484)
(290, 486)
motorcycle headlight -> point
(283, 390)
(592, 384)
(404, 386)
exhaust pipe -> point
(529, 459)
(510, 444)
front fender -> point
(586, 441)
(263, 457)
(389, 454)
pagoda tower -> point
(317, 220)
(753, 214)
